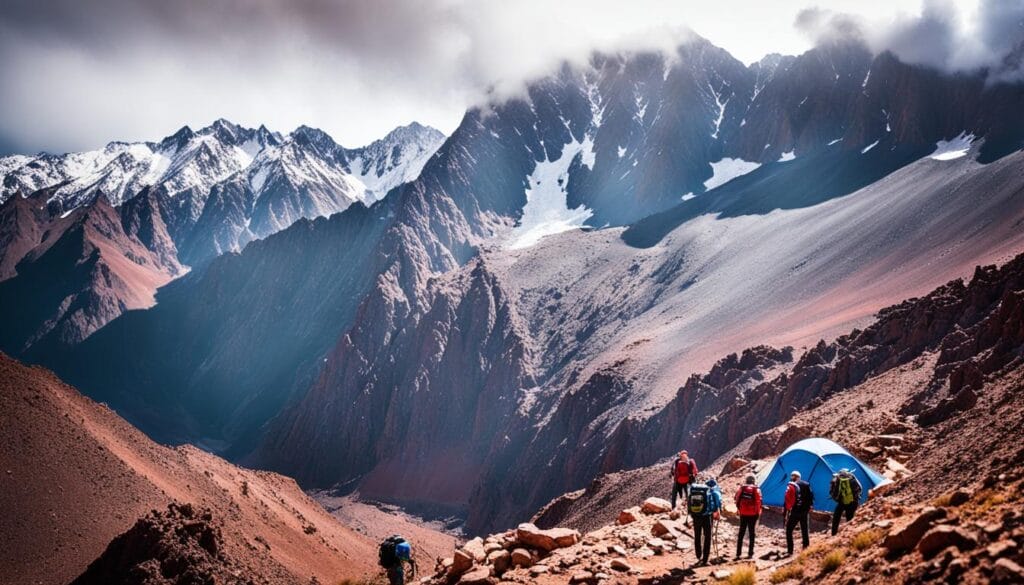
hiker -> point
(703, 502)
(684, 473)
(799, 500)
(392, 553)
(845, 490)
(748, 504)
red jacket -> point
(791, 495)
(748, 506)
(684, 472)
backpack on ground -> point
(845, 490)
(387, 552)
(699, 500)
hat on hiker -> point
(683, 453)
(794, 474)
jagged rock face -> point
(417, 434)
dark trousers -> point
(680, 489)
(702, 537)
(396, 575)
(797, 517)
(747, 523)
(848, 509)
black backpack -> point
(804, 495)
(387, 556)
(698, 501)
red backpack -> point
(748, 501)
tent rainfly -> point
(817, 460)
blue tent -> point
(817, 460)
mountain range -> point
(510, 321)
(116, 224)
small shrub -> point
(942, 500)
(865, 539)
(743, 576)
(832, 561)
(309, 529)
(787, 572)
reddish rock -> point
(943, 537)
(628, 516)
(546, 540)
(478, 576)
(462, 561)
(521, 557)
(655, 506)
(907, 537)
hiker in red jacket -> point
(684, 472)
(748, 504)
(799, 501)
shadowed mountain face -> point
(432, 349)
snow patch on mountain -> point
(728, 169)
(953, 149)
(869, 147)
(786, 156)
(546, 211)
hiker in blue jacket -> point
(704, 503)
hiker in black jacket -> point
(845, 491)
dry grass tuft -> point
(743, 576)
(865, 539)
(832, 561)
(787, 572)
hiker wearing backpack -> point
(392, 554)
(799, 500)
(748, 504)
(684, 473)
(703, 503)
(845, 490)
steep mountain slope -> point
(103, 270)
(568, 334)
(76, 475)
(196, 195)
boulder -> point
(1007, 571)
(539, 570)
(735, 464)
(521, 557)
(546, 540)
(657, 545)
(492, 546)
(581, 577)
(621, 565)
(906, 538)
(500, 559)
(655, 506)
(942, 537)
(461, 562)
(959, 497)
(475, 548)
(478, 576)
(663, 527)
(1001, 548)
(628, 516)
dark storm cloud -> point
(79, 71)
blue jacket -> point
(714, 497)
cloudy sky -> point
(77, 74)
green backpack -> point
(845, 490)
